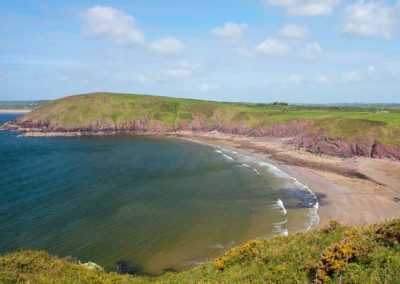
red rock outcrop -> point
(300, 133)
(385, 151)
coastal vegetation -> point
(332, 130)
(328, 255)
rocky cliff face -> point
(385, 151)
(300, 133)
(319, 144)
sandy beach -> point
(358, 191)
(14, 110)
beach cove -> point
(358, 191)
(141, 197)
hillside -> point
(367, 255)
(20, 104)
(336, 131)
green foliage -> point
(40, 267)
(279, 104)
(389, 233)
(355, 248)
(239, 255)
(99, 111)
(361, 255)
(20, 104)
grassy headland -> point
(340, 131)
(354, 255)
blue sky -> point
(299, 51)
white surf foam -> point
(223, 154)
(313, 211)
(280, 228)
(194, 141)
(274, 170)
(292, 181)
(281, 207)
(228, 157)
(218, 246)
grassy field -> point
(121, 111)
(367, 255)
(20, 104)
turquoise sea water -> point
(157, 204)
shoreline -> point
(16, 111)
(346, 199)
(353, 191)
(272, 167)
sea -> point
(153, 204)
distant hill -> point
(377, 106)
(21, 104)
(339, 131)
(334, 254)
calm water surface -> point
(156, 203)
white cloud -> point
(208, 87)
(230, 31)
(370, 19)
(294, 32)
(112, 24)
(305, 7)
(352, 77)
(178, 72)
(312, 51)
(295, 80)
(368, 74)
(323, 79)
(167, 45)
(272, 47)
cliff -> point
(340, 132)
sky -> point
(296, 51)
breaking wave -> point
(304, 196)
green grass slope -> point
(108, 111)
(354, 255)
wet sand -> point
(342, 196)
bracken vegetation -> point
(332, 254)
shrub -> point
(335, 258)
(333, 225)
(241, 255)
(388, 233)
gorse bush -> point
(354, 248)
(389, 233)
(354, 255)
(239, 255)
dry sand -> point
(347, 199)
(14, 110)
